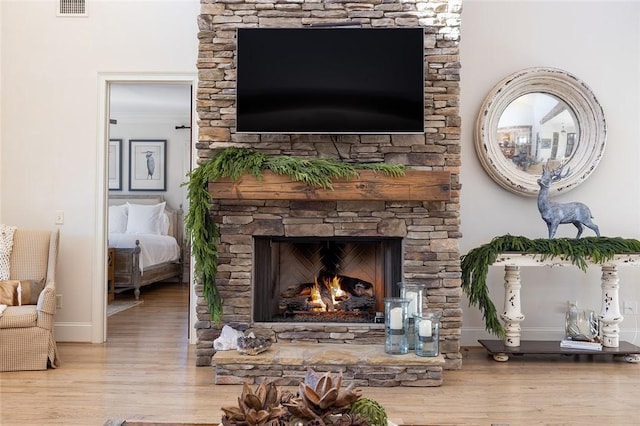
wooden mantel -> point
(415, 185)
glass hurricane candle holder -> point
(427, 334)
(414, 292)
(396, 339)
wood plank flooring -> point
(146, 371)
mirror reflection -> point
(538, 116)
(537, 128)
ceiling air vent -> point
(72, 8)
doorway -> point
(159, 108)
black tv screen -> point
(330, 80)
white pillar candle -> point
(413, 303)
(395, 319)
(424, 329)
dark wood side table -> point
(111, 283)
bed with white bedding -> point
(147, 236)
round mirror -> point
(536, 117)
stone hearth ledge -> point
(365, 365)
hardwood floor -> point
(146, 371)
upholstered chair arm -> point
(47, 306)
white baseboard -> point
(73, 332)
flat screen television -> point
(319, 80)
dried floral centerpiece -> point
(320, 402)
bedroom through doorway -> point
(149, 152)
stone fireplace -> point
(264, 240)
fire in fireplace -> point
(330, 295)
(324, 279)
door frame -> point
(99, 294)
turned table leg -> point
(610, 316)
(512, 315)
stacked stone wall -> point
(430, 230)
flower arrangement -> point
(320, 401)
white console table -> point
(610, 316)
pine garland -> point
(232, 163)
(475, 264)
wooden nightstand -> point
(111, 284)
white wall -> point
(49, 76)
(1, 103)
(599, 42)
(50, 146)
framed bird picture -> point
(147, 165)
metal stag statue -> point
(555, 214)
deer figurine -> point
(555, 214)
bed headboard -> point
(176, 222)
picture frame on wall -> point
(147, 165)
(115, 165)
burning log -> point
(329, 293)
(353, 286)
(359, 303)
(298, 290)
(296, 303)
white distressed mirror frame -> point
(563, 85)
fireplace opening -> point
(324, 279)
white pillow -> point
(164, 224)
(118, 219)
(145, 219)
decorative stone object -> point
(228, 339)
(253, 345)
